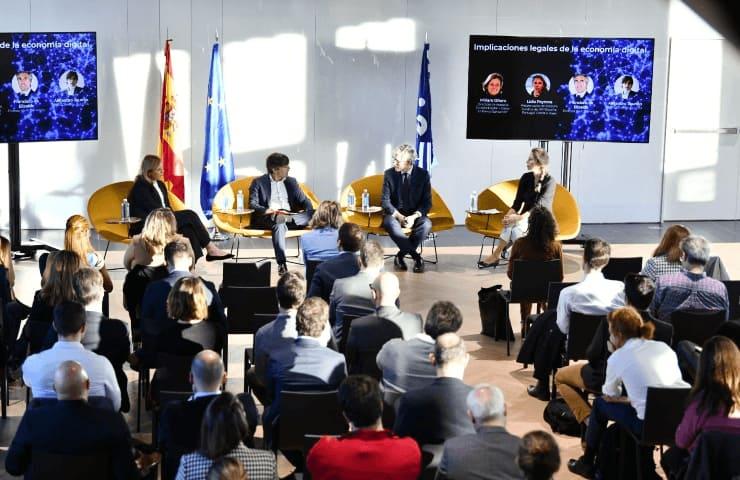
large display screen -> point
(48, 87)
(578, 89)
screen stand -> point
(566, 166)
(20, 251)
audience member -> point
(405, 363)
(38, 369)
(538, 244)
(636, 364)
(320, 244)
(667, 255)
(368, 451)
(180, 424)
(437, 412)
(594, 295)
(691, 288)
(77, 240)
(72, 427)
(714, 402)
(345, 264)
(489, 453)
(227, 469)
(539, 456)
(224, 426)
(15, 311)
(353, 293)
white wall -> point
(335, 111)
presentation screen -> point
(48, 87)
(578, 89)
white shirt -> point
(159, 192)
(38, 371)
(640, 364)
(197, 395)
(278, 195)
(595, 295)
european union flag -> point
(218, 164)
(424, 145)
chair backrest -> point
(696, 327)
(248, 274)
(242, 303)
(733, 293)
(581, 332)
(70, 467)
(531, 279)
(347, 318)
(293, 424)
(173, 373)
(553, 293)
(664, 409)
(96, 401)
(619, 267)
(311, 266)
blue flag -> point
(218, 164)
(424, 144)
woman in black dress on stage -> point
(149, 193)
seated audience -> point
(15, 311)
(667, 255)
(594, 295)
(320, 243)
(576, 380)
(405, 363)
(38, 369)
(227, 469)
(353, 293)
(222, 432)
(437, 412)
(180, 424)
(636, 364)
(72, 427)
(77, 240)
(345, 264)
(368, 334)
(490, 452)
(539, 456)
(714, 402)
(538, 245)
(691, 288)
(368, 451)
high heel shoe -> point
(482, 264)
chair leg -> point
(226, 353)
(506, 328)
(106, 249)
(4, 393)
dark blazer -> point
(142, 199)
(434, 413)
(261, 189)
(488, 454)
(420, 194)
(346, 264)
(72, 427)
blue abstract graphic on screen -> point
(48, 87)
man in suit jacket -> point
(343, 265)
(179, 427)
(72, 427)
(352, 294)
(273, 197)
(437, 412)
(305, 364)
(491, 452)
(406, 201)
(368, 334)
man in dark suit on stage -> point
(406, 201)
(344, 265)
(276, 200)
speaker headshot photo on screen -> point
(580, 86)
(493, 85)
(537, 85)
(24, 83)
(71, 83)
(626, 86)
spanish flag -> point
(174, 173)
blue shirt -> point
(320, 244)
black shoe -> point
(579, 467)
(282, 269)
(483, 264)
(213, 258)
(540, 391)
(399, 263)
(418, 265)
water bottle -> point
(365, 200)
(474, 201)
(351, 201)
(239, 201)
(125, 210)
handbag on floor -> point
(492, 305)
(560, 417)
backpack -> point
(558, 415)
(492, 305)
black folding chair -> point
(250, 274)
(311, 266)
(294, 424)
(553, 293)
(733, 293)
(247, 309)
(618, 268)
(349, 314)
(171, 382)
(580, 333)
(695, 326)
